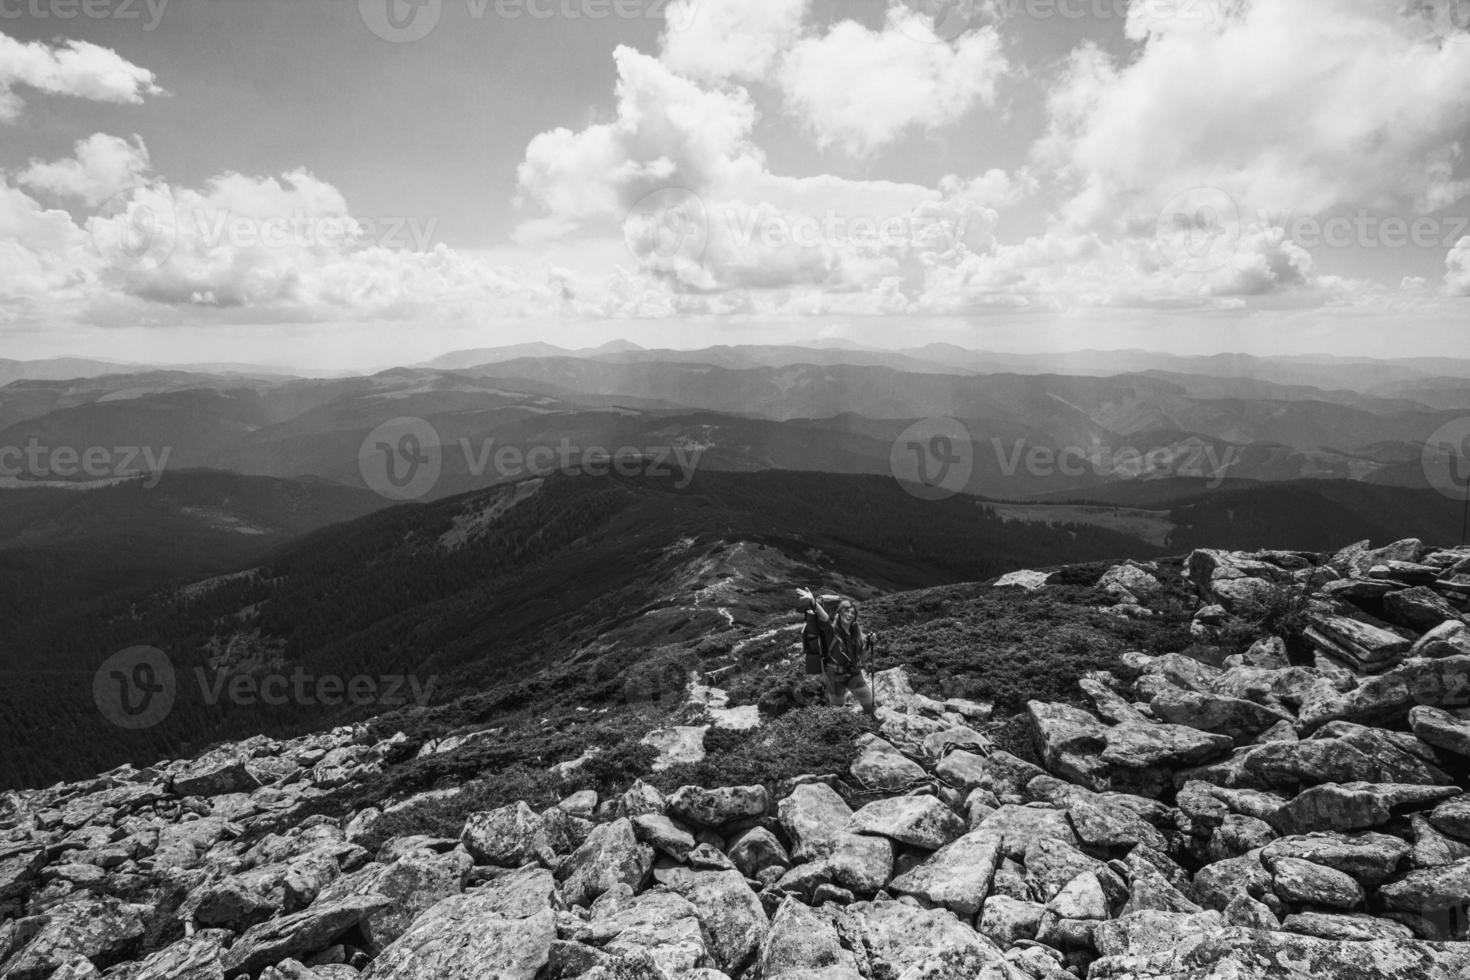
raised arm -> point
(813, 604)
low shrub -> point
(805, 740)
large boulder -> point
(662, 834)
(900, 941)
(1349, 928)
(957, 876)
(1448, 639)
(717, 807)
(1418, 608)
(1140, 935)
(1453, 817)
(18, 867)
(415, 883)
(503, 929)
(803, 945)
(756, 850)
(611, 855)
(215, 776)
(1441, 729)
(1019, 826)
(300, 934)
(1241, 720)
(1387, 699)
(1303, 883)
(1262, 955)
(1354, 806)
(1369, 858)
(918, 821)
(1367, 647)
(658, 924)
(1429, 889)
(99, 930)
(733, 917)
(509, 837)
(1338, 752)
(1134, 757)
(199, 958)
(814, 818)
(1217, 885)
(882, 768)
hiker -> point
(839, 647)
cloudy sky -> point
(351, 184)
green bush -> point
(806, 740)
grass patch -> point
(813, 740)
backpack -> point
(845, 653)
(811, 644)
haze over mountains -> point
(232, 515)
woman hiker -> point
(840, 644)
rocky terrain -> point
(1296, 810)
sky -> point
(358, 183)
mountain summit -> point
(1231, 764)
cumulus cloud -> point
(1457, 263)
(76, 68)
(859, 89)
(730, 41)
(102, 167)
(264, 249)
(1290, 106)
(679, 163)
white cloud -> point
(1290, 106)
(730, 41)
(859, 89)
(238, 249)
(75, 68)
(102, 167)
(1457, 264)
(669, 133)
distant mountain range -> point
(238, 518)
